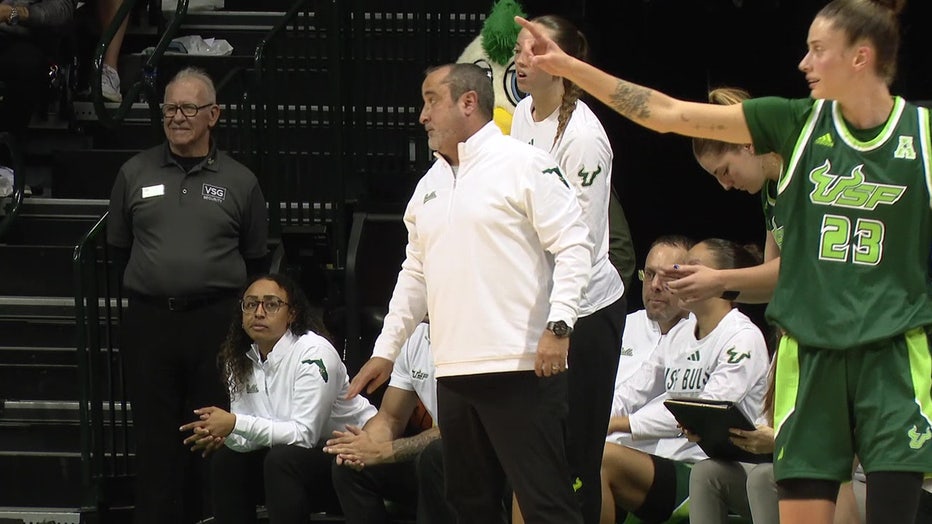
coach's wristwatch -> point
(559, 328)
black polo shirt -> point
(188, 233)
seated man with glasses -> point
(288, 387)
(191, 223)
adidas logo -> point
(694, 357)
(429, 196)
(627, 352)
(825, 140)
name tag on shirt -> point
(153, 191)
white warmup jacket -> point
(495, 251)
(730, 363)
(295, 396)
(585, 155)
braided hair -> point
(574, 43)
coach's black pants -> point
(593, 363)
(292, 480)
(501, 424)
(171, 360)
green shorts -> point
(873, 400)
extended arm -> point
(651, 109)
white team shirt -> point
(295, 397)
(730, 363)
(494, 252)
(641, 337)
(585, 156)
(414, 369)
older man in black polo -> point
(194, 223)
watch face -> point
(559, 328)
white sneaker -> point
(110, 84)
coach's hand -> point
(551, 354)
(372, 375)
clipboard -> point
(711, 419)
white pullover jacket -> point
(495, 251)
(295, 397)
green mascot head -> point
(493, 50)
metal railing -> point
(19, 183)
(107, 444)
(149, 69)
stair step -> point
(36, 269)
(13, 515)
(72, 176)
(40, 479)
(25, 330)
(46, 230)
(31, 426)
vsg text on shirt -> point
(213, 193)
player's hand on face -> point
(692, 283)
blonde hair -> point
(723, 96)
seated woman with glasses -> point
(717, 353)
(287, 386)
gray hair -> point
(196, 73)
(463, 78)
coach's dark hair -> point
(680, 241)
(462, 78)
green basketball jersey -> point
(768, 197)
(855, 205)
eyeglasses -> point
(188, 110)
(269, 305)
(648, 275)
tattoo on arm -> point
(631, 100)
(405, 449)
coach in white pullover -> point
(498, 255)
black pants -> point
(501, 424)
(593, 364)
(363, 493)
(293, 481)
(432, 507)
(171, 362)
(24, 73)
(416, 484)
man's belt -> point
(185, 303)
